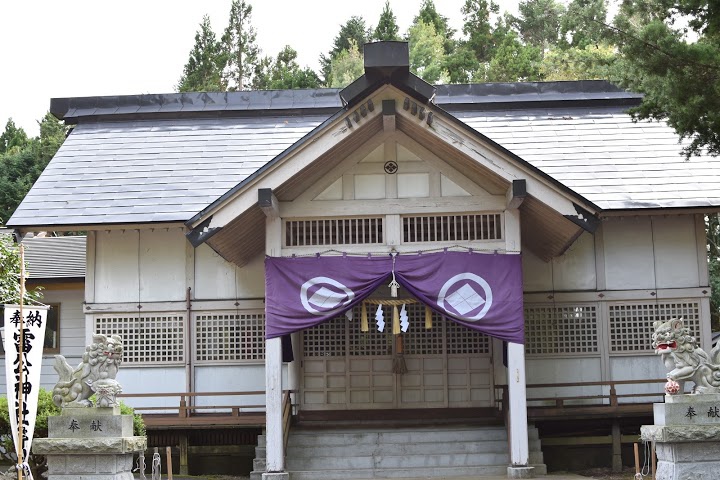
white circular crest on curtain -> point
(331, 295)
(468, 298)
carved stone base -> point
(90, 444)
(687, 437)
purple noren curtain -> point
(481, 291)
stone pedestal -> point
(687, 437)
(90, 444)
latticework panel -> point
(561, 329)
(333, 231)
(230, 337)
(371, 343)
(326, 339)
(631, 324)
(418, 340)
(452, 228)
(463, 340)
(147, 339)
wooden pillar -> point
(273, 410)
(274, 439)
(517, 415)
(616, 447)
(184, 470)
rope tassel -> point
(364, 318)
(396, 321)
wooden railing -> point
(230, 409)
(610, 399)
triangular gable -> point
(234, 224)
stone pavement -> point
(551, 476)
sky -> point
(54, 49)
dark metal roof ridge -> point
(480, 96)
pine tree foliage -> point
(538, 22)
(346, 67)
(353, 32)
(22, 164)
(583, 24)
(203, 71)
(427, 55)
(387, 28)
(429, 15)
(478, 28)
(240, 47)
(678, 73)
(283, 73)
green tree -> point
(514, 62)
(461, 64)
(593, 62)
(387, 28)
(203, 71)
(345, 67)
(10, 278)
(538, 22)
(583, 23)
(679, 77)
(353, 32)
(477, 27)
(13, 138)
(428, 14)
(427, 56)
(22, 164)
(241, 51)
(283, 73)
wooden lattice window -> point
(334, 231)
(372, 342)
(452, 228)
(463, 340)
(418, 340)
(326, 339)
(561, 329)
(230, 336)
(631, 323)
(147, 339)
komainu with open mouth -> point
(685, 359)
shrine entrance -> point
(344, 368)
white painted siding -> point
(116, 266)
(162, 265)
(216, 279)
(575, 270)
(631, 262)
(155, 380)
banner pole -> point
(20, 365)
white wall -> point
(160, 259)
(649, 253)
(636, 252)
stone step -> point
(352, 437)
(408, 462)
(422, 448)
(399, 473)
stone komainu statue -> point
(684, 359)
(95, 374)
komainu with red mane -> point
(685, 359)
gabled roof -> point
(165, 158)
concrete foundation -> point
(521, 472)
(90, 444)
(686, 436)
